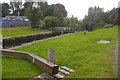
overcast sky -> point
(79, 8)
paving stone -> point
(103, 41)
(59, 76)
(67, 69)
(64, 72)
(39, 76)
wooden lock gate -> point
(49, 67)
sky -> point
(79, 8)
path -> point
(116, 55)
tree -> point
(43, 6)
(72, 22)
(51, 21)
(59, 12)
(112, 17)
(95, 17)
(66, 22)
(34, 15)
(28, 4)
(5, 9)
(22, 12)
(56, 10)
(0, 9)
(118, 22)
(16, 6)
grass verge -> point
(80, 52)
(17, 31)
(14, 67)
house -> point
(14, 21)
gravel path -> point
(119, 57)
(116, 54)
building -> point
(14, 21)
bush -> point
(34, 14)
(51, 21)
(108, 26)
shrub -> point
(108, 26)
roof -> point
(16, 17)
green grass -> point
(80, 52)
(14, 67)
(17, 31)
(0, 66)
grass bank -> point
(80, 52)
(17, 31)
(14, 67)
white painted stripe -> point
(33, 60)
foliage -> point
(37, 12)
(108, 25)
(0, 10)
(34, 15)
(58, 11)
(51, 21)
(81, 52)
(5, 9)
(43, 7)
(72, 22)
(113, 16)
(95, 17)
(16, 7)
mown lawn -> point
(0, 66)
(13, 67)
(80, 52)
(17, 31)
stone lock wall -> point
(16, 41)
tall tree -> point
(34, 14)
(0, 9)
(113, 16)
(56, 10)
(51, 21)
(43, 6)
(95, 17)
(118, 22)
(59, 12)
(74, 22)
(5, 9)
(16, 6)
